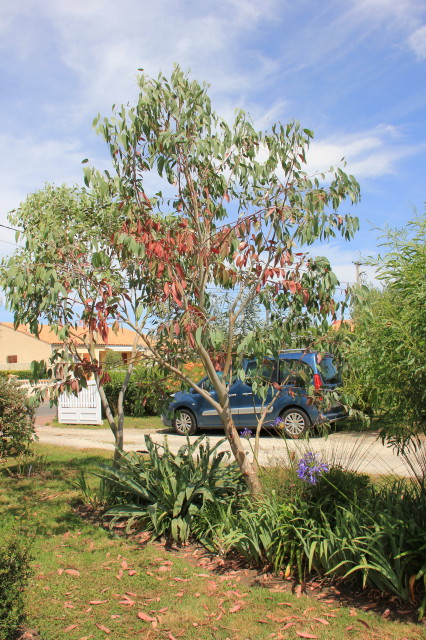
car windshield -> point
(328, 370)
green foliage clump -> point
(166, 490)
(344, 526)
(16, 419)
(146, 392)
(15, 571)
(387, 351)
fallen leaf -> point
(72, 572)
(203, 575)
(127, 602)
(132, 572)
(287, 604)
(305, 635)
(97, 601)
(181, 579)
(60, 571)
(321, 620)
(348, 628)
(146, 617)
(115, 615)
(71, 627)
(288, 625)
(235, 608)
(130, 593)
(103, 628)
(124, 565)
(367, 607)
(366, 625)
(119, 574)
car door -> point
(252, 404)
(207, 414)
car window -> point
(328, 370)
(267, 371)
(295, 372)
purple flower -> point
(277, 422)
(246, 433)
(310, 468)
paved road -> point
(360, 452)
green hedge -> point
(145, 395)
(25, 374)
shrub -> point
(145, 394)
(166, 490)
(16, 419)
(14, 574)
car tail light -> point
(317, 381)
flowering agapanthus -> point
(310, 468)
(246, 433)
(278, 422)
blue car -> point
(293, 371)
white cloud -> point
(368, 154)
(417, 42)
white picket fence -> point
(85, 408)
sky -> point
(354, 72)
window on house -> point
(12, 359)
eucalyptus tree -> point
(238, 212)
(63, 275)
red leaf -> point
(235, 608)
(288, 625)
(102, 628)
(146, 617)
(305, 635)
(226, 197)
(72, 572)
(71, 627)
(132, 572)
(97, 601)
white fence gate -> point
(85, 408)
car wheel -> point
(184, 423)
(295, 423)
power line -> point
(6, 227)
(12, 243)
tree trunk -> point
(246, 467)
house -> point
(18, 348)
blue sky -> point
(353, 71)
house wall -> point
(26, 348)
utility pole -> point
(358, 273)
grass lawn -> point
(146, 422)
(90, 584)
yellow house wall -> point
(26, 348)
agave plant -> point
(165, 490)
